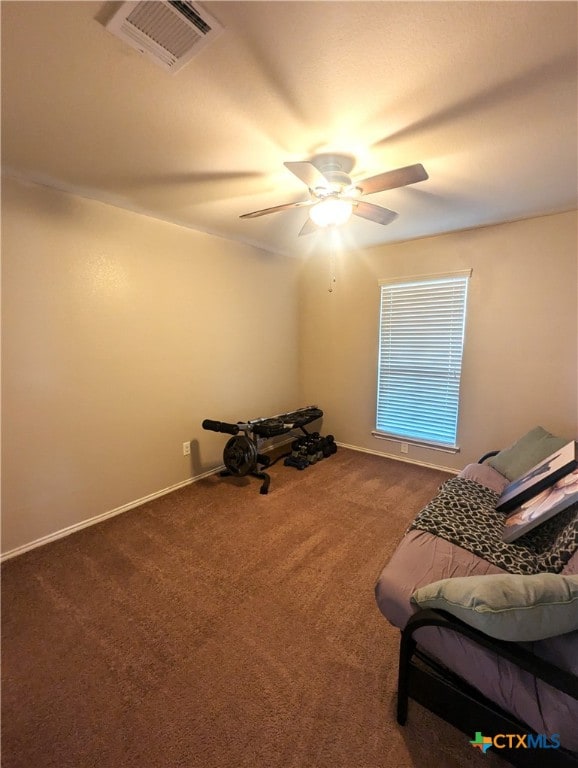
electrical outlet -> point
(404, 447)
(187, 448)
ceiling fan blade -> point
(308, 227)
(276, 208)
(308, 173)
(374, 212)
(400, 177)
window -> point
(420, 358)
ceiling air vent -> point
(170, 32)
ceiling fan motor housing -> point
(337, 180)
(335, 169)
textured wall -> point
(122, 333)
(520, 356)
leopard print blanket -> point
(464, 513)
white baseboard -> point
(104, 516)
(403, 459)
(138, 502)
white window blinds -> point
(420, 358)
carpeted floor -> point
(218, 628)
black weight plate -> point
(240, 455)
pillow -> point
(535, 446)
(508, 606)
(485, 475)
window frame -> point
(454, 323)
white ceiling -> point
(483, 94)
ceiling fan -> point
(333, 196)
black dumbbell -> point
(298, 463)
(331, 447)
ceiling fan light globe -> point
(331, 212)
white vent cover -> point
(170, 32)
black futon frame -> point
(448, 696)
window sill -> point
(412, 441)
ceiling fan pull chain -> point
(332, 279)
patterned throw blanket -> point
(464, 513)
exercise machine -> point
(241, 454)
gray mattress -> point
(422, 558)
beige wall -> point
(122, 333)
(520, 357)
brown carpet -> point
(218, 628)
